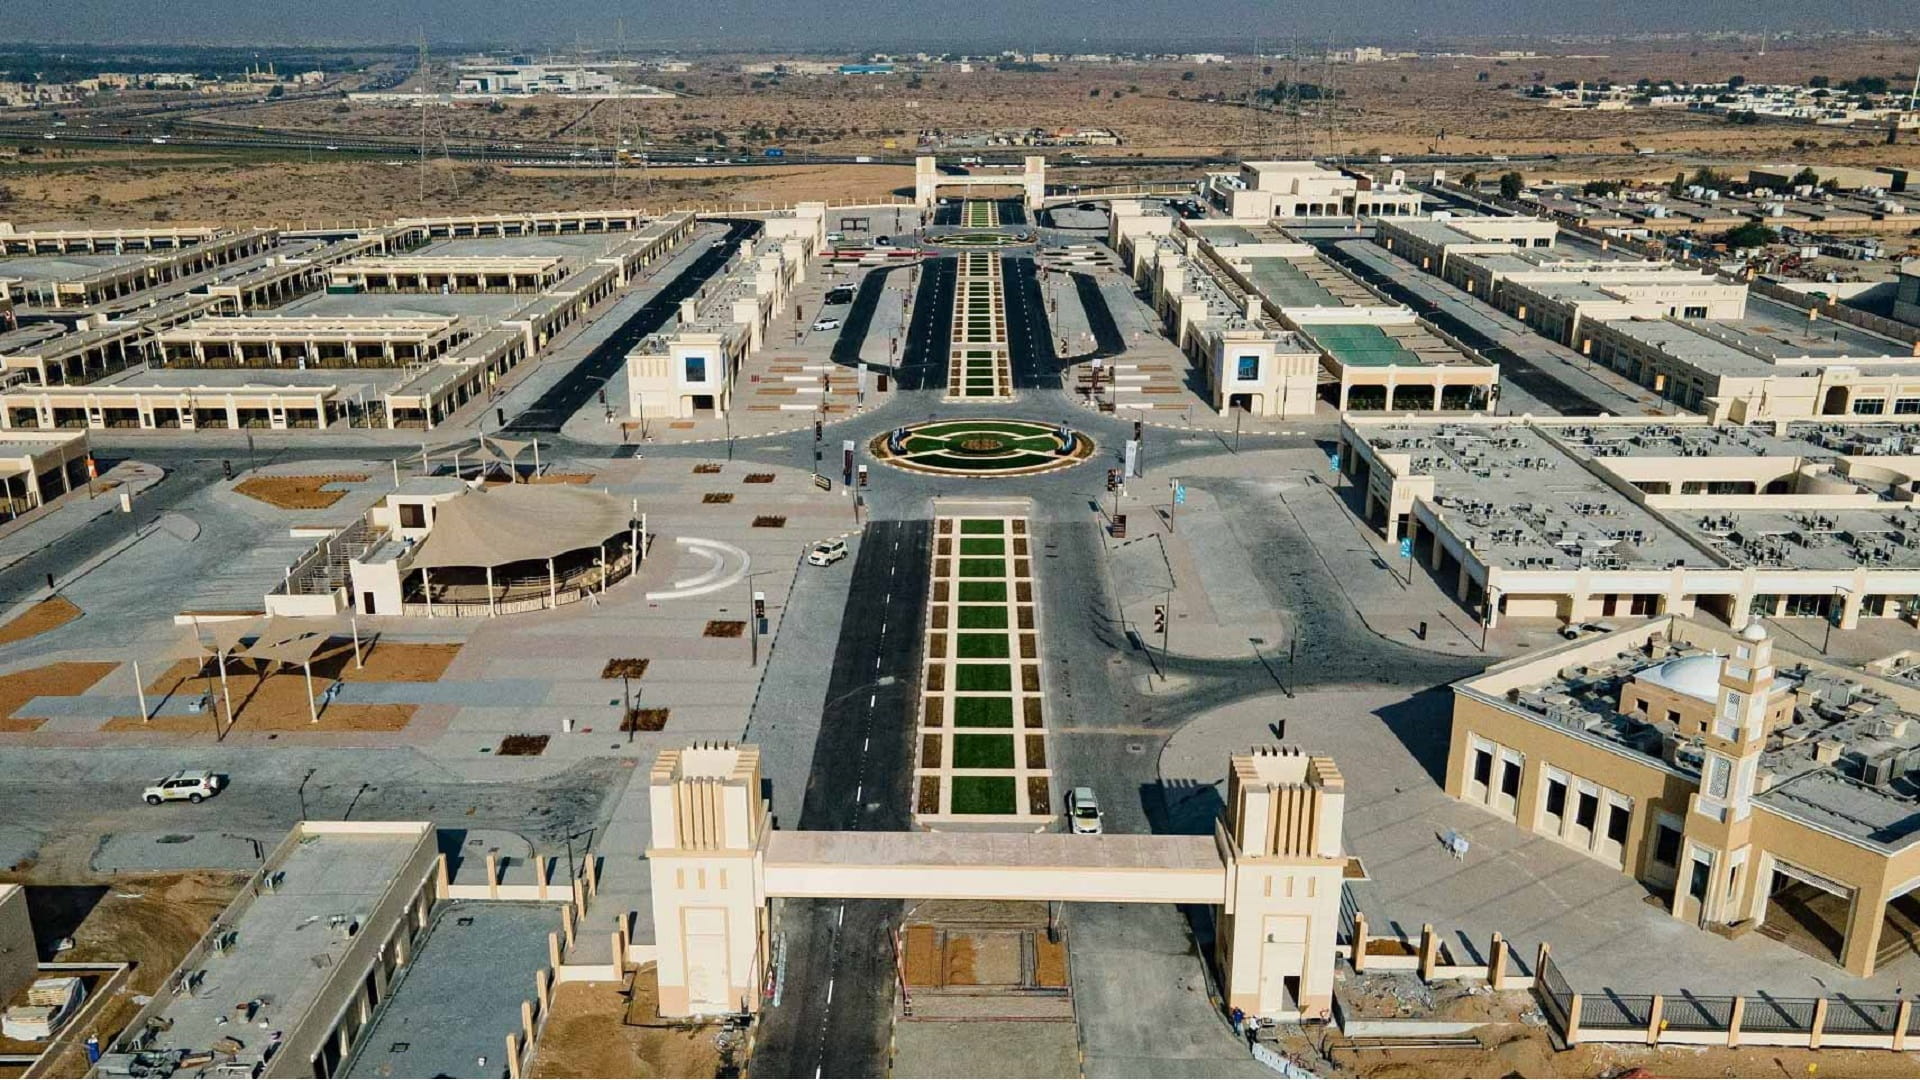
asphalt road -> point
(1030, 344)
(553, 408)
(27, 579)
(923, 356)
(832, 1021)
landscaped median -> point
(983, 745)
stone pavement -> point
(1392, 750)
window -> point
(1510, 780)
(1666, 845)
(1906, 406)
(1673, 716)
(1870, 406)
(1556, 797)
(1696, 312)
(413, 516)
(696, 369)
(1697, 888)
(1587, 810)
(1248, 369)
(1618, 817)
(1482, 767)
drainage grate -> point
(464, 920)
(398, 1048)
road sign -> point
(1133, 458)
(1179, 494)
(1333, 462)
(822, 482)
(1406, 547)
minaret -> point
(1716, 870)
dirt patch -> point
(629, 668)
(546, 478)
(273, 697)
(48, 614)
(922, 945)
(297, 492)
(1039, 796)
(717, 498)
(523, 746)
(724, 628)
(64, 679)
(645, 720)
(956, 962)
(770, 521)
(928, 801)
(612, 1029)
(1049, 962)
(150, 920)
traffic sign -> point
(1406, 547)
(1179, 493)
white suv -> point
(192, 785)
(827, 552)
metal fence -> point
(1559, 996)
(1610, 1010)
(1772, 1015)
(1690, 1013)
(1849, 1016)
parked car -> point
(1574, 630)
(883, 241)
(193, 785)
(826, 324)
(834, 237)
(1083, 811)
(840, 295)
(827, 552)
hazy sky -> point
(895, 23)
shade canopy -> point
(520, 523)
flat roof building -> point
(1576, 519)
(1264, 190)
(1750, 789)
(1344, 344)
(289, 975)
(1689, 335)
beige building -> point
(161, 408)
(1906, 297)
(690, 368)
(1265, 190)
(1227, 291)
(1750, 789)
(38, 467)
(1576, 518)
(317, 937)
(1685, 334)
(1273, 868)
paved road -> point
(564, 398)
(1030, 344)
(861, 781)
(27, 579)
(923, 356)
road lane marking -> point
(829, 991)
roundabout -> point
(982, 448)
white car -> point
(834, 237)
(1574, 630)
(827, 552)
(193, 785)
(826, 324)
(1083, 812)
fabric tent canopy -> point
(520, 523)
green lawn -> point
(983, 677)
(983, 546)
(983, 618)
(983, 795)
(983, 567)
(983, 647)
(982, 527)
(983, 751)
(982, 592)
(982, 712)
